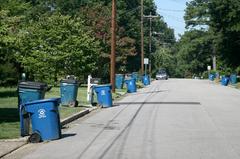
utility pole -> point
(142, 40)
(113, 45)
(214, 59)
(150, 43)
(150, 17)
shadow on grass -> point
(9, 115)
(4, 94)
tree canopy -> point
(213, 29)
(48, 39)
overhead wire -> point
(170, 10)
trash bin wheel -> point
(100, 105)
(94, 104)
(73, 104)
(34, 138)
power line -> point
(173, 17)
(176, 1)
(130, 11)
(171, 10)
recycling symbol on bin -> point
(103, 93)
(130, 83)
(41, 113)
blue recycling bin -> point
(44, 117)
(211, 77)
(104, 95)
(29, 91)
(131, 85)
(69, 91)
(233, 79)
(225, 81)
(135, 76)
(119, 81)
(146, 80)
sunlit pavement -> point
(173, 119)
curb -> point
(22, 139)
(77, 115)
(14, 149)
(63, 122)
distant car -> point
(161, 75)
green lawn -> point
(238, 85)
(9, 118)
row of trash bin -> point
(225, 80)
(44, 114)
(120, 78)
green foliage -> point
(57, 45)
(220, 20)
(8, 74)
(226, 23)
(193, 55)
(48, 39)
(163, 58)
(238, 70)
(11, 16)
(204, 75)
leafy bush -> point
(56, 46)
(8, 75)
(205, 75)
(237, 70)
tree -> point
(11, 16)
(163, 58)
(226, 24)
(193, 54)
(220, 19)
(41, 36)
(55, 46)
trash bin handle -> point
(21, 107)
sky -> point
(173, 12)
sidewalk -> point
(9, 145)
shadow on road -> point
(137, 93)
(68, 135)
(156, 103)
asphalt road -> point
(174, 119)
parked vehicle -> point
(162, 75)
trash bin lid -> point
(43, 101)
(105, 85)
(95, 81)
(32, 85)
(129, 79)
(69, 81)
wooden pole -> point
(113, 45)
(142, 40)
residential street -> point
(172, 119)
